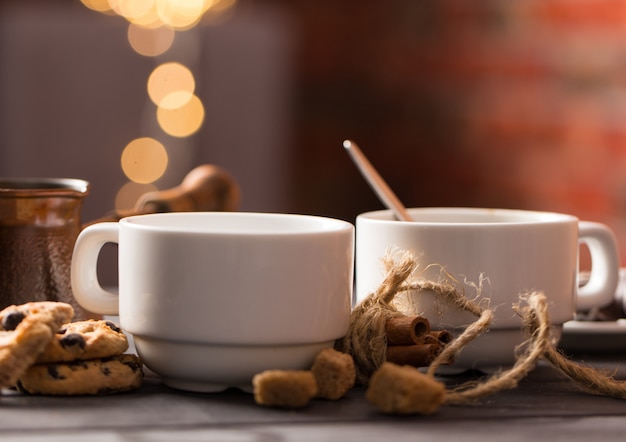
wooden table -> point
(545, 406)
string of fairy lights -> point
(153, 26)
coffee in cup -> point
(40, 219)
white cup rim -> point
(468, 216)
(237, 223)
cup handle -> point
(599, 291)
(85, 286)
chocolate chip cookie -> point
(90, 339)
(97, 376)
(25, 330)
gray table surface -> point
(545, 406)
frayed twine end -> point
(366, 342)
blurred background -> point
(456, 102)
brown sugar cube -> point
(334, 373)
(404, 390)
(284, 388)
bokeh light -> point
(180, 14)
(180, 121)
(144, 160)
(97, 5)
(148, 20)
(175, 100)
(218, 10)
(129, 193)
(171, 86)
(150, 41)
(168, 78)
(132, 9)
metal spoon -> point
(377, 183)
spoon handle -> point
(377, 182)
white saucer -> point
(594, 336)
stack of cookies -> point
(42, 352)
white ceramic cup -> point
(514, 251)
(213, 298)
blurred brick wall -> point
(516, 104)
(457, 102)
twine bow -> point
(366, 340)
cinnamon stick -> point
(416, 355)
(442, 337)
(406, 330)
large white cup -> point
(213, 298)
(512, 251)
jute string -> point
(366, 340)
